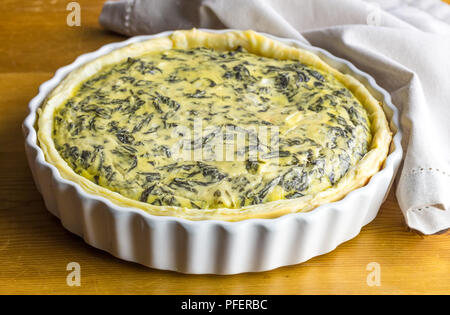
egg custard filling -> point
(214, 126)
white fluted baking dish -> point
(210, 246)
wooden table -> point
(35, 249)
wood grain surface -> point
(35, 249)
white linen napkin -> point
(404, 45)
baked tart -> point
(225, 126)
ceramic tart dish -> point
(213, 151)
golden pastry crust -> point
(355, 177)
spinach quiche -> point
(226, 126)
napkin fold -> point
(403, 44)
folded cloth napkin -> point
(404, 45)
